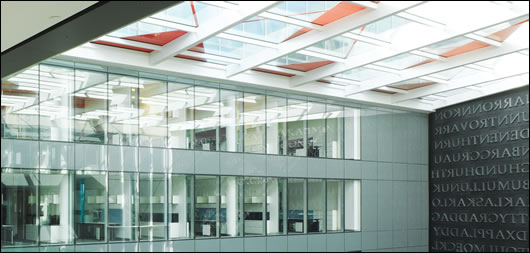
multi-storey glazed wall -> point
(97, 159)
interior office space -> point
(264, 126)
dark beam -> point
(86, 25)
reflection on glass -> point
(122, 213)
(334, 131)
(180, 115)
(254, 117)
(352, 133)
(90, 107)
(316, 200)
(206, 118)
(89, 214)
(180, 206)
(296, 134)
(56, 103)
(316, 130)
(255, 215)
(153, 108)
(231, 130)
(352, 205)
(206, 206)
(276, 125)
(152, 207)
(231, 223)
(20, 107)
(335, 196)
(55, 206)
(296, 202)
(19, 207)
(123, 110)
(276, 206)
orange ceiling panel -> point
(308, 66)
(157, 38)
(273, 72)
(340, 10)
(412, 85)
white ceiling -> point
(23, 19)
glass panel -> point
(91, 115)
(276, 206)
(89, 214)
(296, 134)
(385, 28)
(231, 136)
(362, 74)
(316, 130)
(231, 223)
(441, 48)
(180, 115)
(206, 206)
(206, 118)
(19, 207)
(181, 206)
(316, 211)
(122, 213)
(254, 118)
(152, 206)
(55, 207)
(123, 110)
(303, 10)
(352, 133)
(335, 207)
(56, 103)
(402, 61)
(181, 13)
(339, 46)
(334, 131)
(264, 29)
(276, 125)
(20, 107)
(227, 48)
(352, 203)
(296, 205)
(254, 205)
(153, 111)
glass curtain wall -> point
(254, 206)
(180, 196)
(276, 206)
(254, 117)
(276, 125)
(152, 213)
(335, 205)
(316, 202)
(19, 207)
(334, 131)
(296, 206)
(231, 128)
(296, 127)
(123, 111)
(206, 206)
(90, 205)
(352, 203)
(231, 222)
(206, 123)
(180, 115)
(153, 113)
(352, 133)
(316, 130)
(122, 207)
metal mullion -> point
(325, 216)
(218, 208)
(305, 188)
(264, 207)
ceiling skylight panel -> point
(363, 74)
(446, 47)
(384, 28)
(300, 62)
(339, 46)
(401, 61)
(227, 48)
(264, 29)
(303, 10)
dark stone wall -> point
(478, 175)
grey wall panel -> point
(151, 246)
(207, 162)
(352, 241)
(91, 248)
(256, 244)
(232, 245)
(352, 169)
(296, 166)
(369, 170)
(384, 240)
(277, 244)
(56, 249)
(122, 158)
(384, 135)
(181, 161)
(399, 205)
(123, 247)
(20, 153)
(316, 167)
(399, 171)
(316, 243)
(255, 165)
(385, 171)
(334, 168)
(414, 172)
(399, 238)
(90, 157)
(231, 163)
(399, 137)
(153, 159)
(369, 240)
(207, 245)
(384, 205)
(56, 155)
(369, 205)
(180, 246)
(413, 205)
(297, 243)
(369, 135)
(335, 242)
(276, 166)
